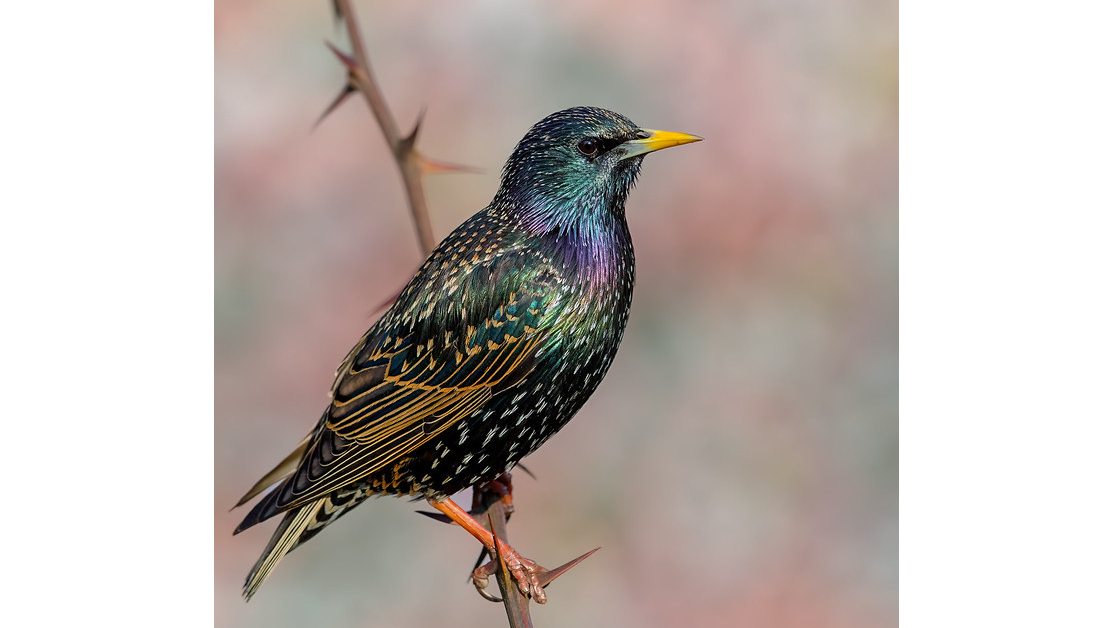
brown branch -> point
(411, 165)
(515, 603)
(403, 148)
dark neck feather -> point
(588, 234)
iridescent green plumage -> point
(491, 348)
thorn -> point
(407, 144)
(436, 516)
(480, 559)
(347, 61)
(426, 165)
(551, 575)
(497, 558)
(337, 15)
(345, 92)
(430, 166)
(527, 471)
(350, 86)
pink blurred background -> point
(739, 463)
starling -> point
(496, 342)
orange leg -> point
(525, 571)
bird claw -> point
(480, 581)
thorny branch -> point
(515, 603)
(410, 162)
(412, 165)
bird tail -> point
(287, 536)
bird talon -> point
(480, 581)
(525, 573)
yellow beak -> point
(656, 140)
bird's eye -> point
(588, 147)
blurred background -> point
(739, 463)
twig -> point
(515, 603)
(411, 165)
(403, 148)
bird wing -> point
(430, 362)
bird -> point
(494, 344)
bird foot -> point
(524, 571)
(530, 577)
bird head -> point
(578, 165)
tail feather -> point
(288, 535)
(282, 471)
